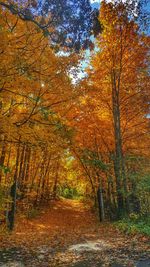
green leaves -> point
(5, 169)
(135, 225)
(144, 183)
(91, 158)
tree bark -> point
(119, 167)
(2, 159)
(100, 204)
(13, 194)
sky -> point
(94, 1)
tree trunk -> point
(21, 166)
(2, 159)
(56, 180)
(119, 167)
(100, 204)
(13, 194)
(44, 178)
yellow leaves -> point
(83, 99)
(36, 87)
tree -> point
(120, 76)
(69, 24)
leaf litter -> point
(67, 233)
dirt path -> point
(68, 234)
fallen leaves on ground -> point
(45, 241)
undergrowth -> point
(135, 224)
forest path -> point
(67, 233)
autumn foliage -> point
(79, 136)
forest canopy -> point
(68, 24)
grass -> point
(135, 224)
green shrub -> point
(135, 224)
(70, 193)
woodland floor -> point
(68, 234)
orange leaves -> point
(33, 77)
